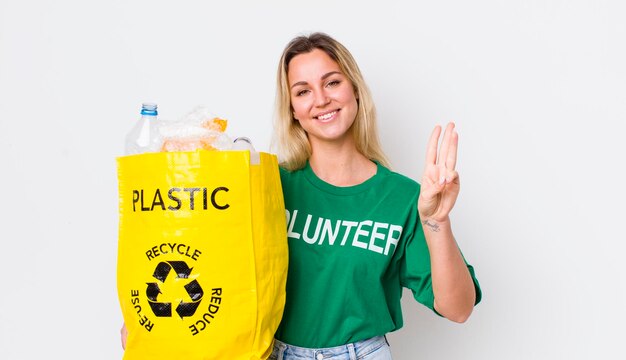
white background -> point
(537, 89)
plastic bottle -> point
(243, 143)
(144, 136)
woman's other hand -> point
(123, 335)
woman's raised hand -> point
(440, 182)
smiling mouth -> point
(327, 116)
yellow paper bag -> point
(202, 254)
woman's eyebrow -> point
(329, 74)
(323, 78)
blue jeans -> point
(376, 348)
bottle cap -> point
(149, 109)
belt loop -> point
(351, 351)
(281, 351)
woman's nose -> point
(321, 99)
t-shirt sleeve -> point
(415, 267)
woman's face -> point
(322, 97)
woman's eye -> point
(301, 92)
(333, 83)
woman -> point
(356, 236)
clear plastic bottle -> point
(144, 136)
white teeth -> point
(327, 116)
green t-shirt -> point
(351, 250)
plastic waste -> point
(198, 130)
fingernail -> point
(442, 180)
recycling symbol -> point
(164, 309)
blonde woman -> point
(357, 231)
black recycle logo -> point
(164, 309)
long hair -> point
(293, 144)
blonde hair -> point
(293, 144)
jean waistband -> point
(350, 351)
